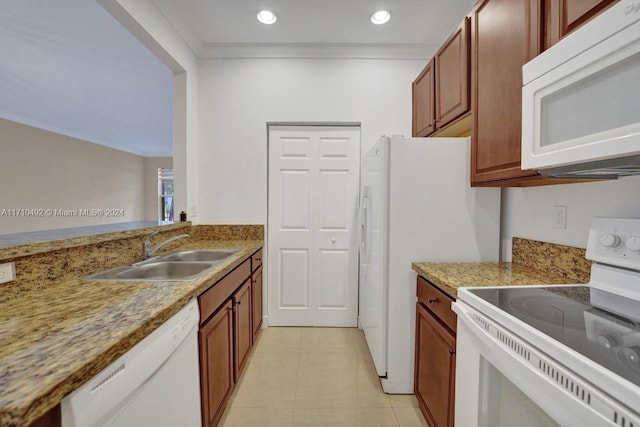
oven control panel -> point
(615, 241)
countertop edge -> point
(511, 274)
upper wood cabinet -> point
(564, 16)
(505, 34)
(452, 77)
(441, 90)
(424, 102)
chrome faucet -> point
(148, 250)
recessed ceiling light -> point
(267, 17)
(380, 17)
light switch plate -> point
(7, 272)
(560, 217)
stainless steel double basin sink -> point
(176, 265)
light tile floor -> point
(315, 377)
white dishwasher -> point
(156, 383)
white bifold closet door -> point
(312, 226)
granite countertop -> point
(448, 277)
(53, 340)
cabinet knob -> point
(258, 259)
(238, 303)
(432, 300)
(451, 352)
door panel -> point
(332, 285)
(295, 204)
(294, 278)
(333, 208)
(312, 225)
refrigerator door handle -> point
(363, 221)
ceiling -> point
(212, 26)
(71, 68)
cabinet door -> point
(216, 364)
(435, 369)
(256, 298)
(52, 418)
(505, 34)
(423, 93)
(243, 333)
(452, 77)
(564, 16)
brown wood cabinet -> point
(226, 335)
(505, 34)
(216, 363)
(256, 297)
(53, 418)
(452, 77)
(435, 358)
(440, 93)
(564, 16)
(242, 330)
(424, 102)
(256, 291)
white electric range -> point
(565, 355)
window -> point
(165, 193)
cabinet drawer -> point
(437, 301)
(220, 291)
(256, 260)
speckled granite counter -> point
(54, 339)
(534, 263)
(451, 276)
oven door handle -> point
(550, 385)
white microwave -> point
(581, 100)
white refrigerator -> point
(416, 205)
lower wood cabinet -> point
(230, 318)
(434, 382)
(53, 418)
(256, 296)
(242, 330)
(216, 363)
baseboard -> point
(393, 387)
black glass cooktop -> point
(599, 325)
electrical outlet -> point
(194, 210)
(7, 272)
(560, 217)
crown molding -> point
(315, 51)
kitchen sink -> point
(155, 271)
(197, 255)
(176, 265)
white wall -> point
(151, 200)
(143, 19)
(239, 96)
(45, 170)
(528, 212)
